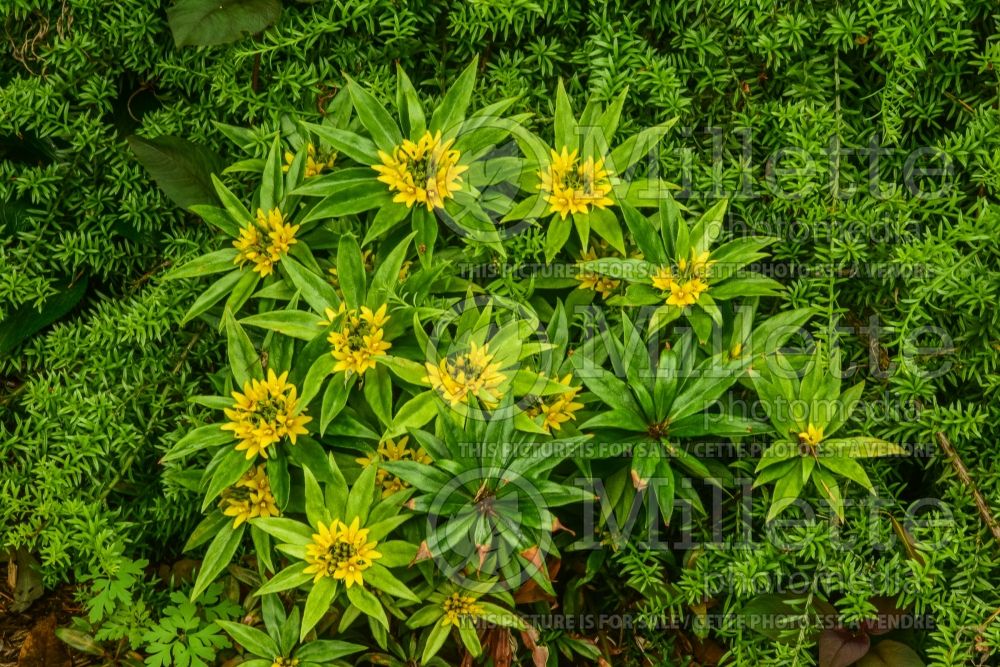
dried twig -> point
(27, 50)
(963, 474)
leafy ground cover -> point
(536, 334)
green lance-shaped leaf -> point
(219, 553)
(365, 601)
(383, 129)
(451, 112)
(317, 604)
(252, 639)
(243, 358)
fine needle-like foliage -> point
(494, 333)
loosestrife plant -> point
(414, 167)
(579, 178)
(411, 446)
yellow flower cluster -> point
(812, 436)
(686, 286)
(557, 409)
(459, 608)
(360, 341)
(265, 241)
(474, 372)
(249, 498)
(314, 166)
(389, 450)
(281, 661)
(600, 284)
(422, 172)
(594, 281)
(341, 551)
(264, 413)
(573, 186)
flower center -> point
(267, 411)
(420, 169)
(339, 555)
(463, 365)
(342, 552)
(458, 607)
(265, 241)
(358, 331)
(425, 171)
(236, 494)
(573, 186)
(264, 413)
(580, 179)
(683, 283)
(359, 340)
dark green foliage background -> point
(88, 405)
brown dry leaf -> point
(539, 654)
(41, 648)
(498, 644)
(532, 592)
(557, 526)
(423, 553)
(708, 651)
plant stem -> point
(963, 474)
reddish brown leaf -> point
(423, 553)
(532, 592)
(840, 648)
(539, 654)
(889, 653)
(557, 526)
(41, 648)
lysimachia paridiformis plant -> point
(406, 443)
(491, 490)
(581, 177)
(343, 549)
(95, 365)
(264, 243)
(680, 272)
(411, 167)
(280, 644)
(456, 609)
(806, 411)
(483, 351)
